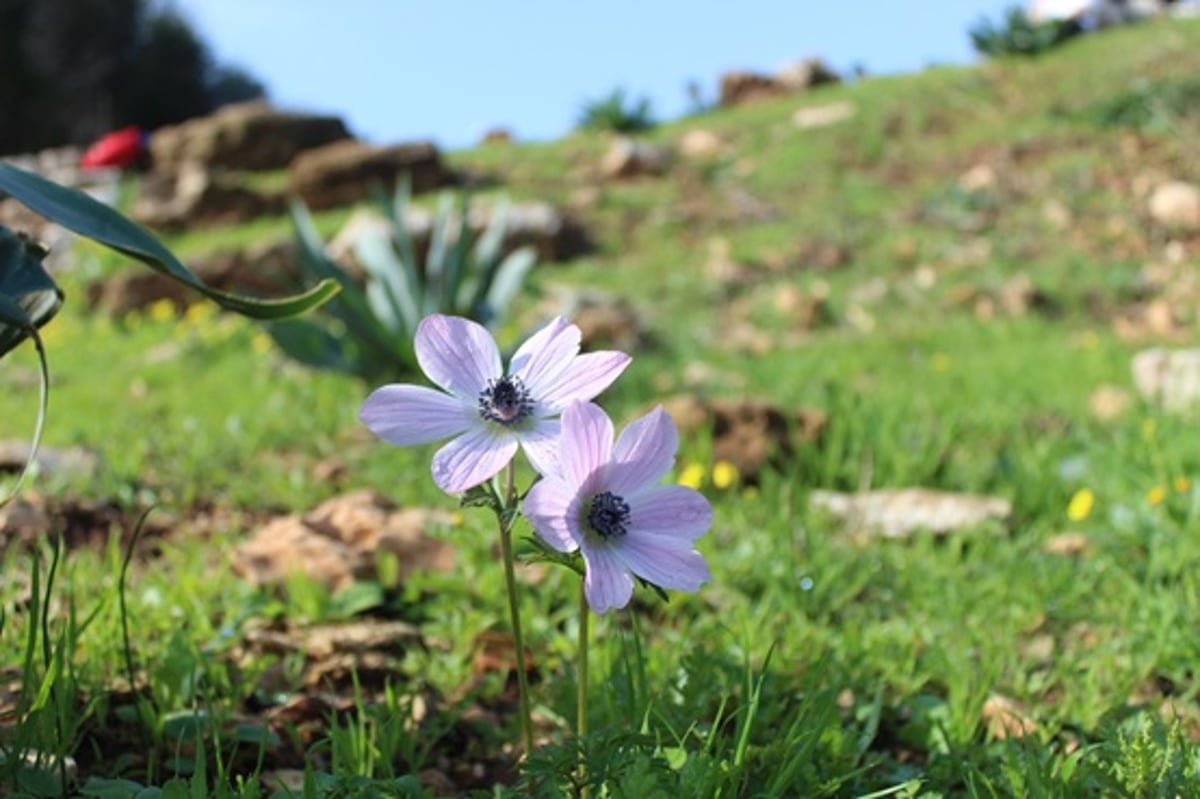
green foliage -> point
(1167, 105)
(1017, 34)
(92, 219)
(1154, 760)
(618, 113)
(47, 722)
(29, 297)
(368, 329)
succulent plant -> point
(368, 328)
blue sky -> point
(448, 70)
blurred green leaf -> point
(88, 217)
(28, 295)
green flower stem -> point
(506, 517)
(581, 704)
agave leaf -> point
(459, 263)
(380, 302)
(487, 248)
(396, 209)
(508, 280)
(29, 297)
(350, 306)
(435, 260)
(487, 257)
(390, 277)
(81, 214)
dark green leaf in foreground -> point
(28, 295)
(81, 214)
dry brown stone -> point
(1068, 544)
(632, 158)
(339, 541)
(250, 136)
(343, 173)
(198, 196)
(1005, 718)
(1109, 402)
(748, 434)
(699, 144)
(805, 74)
(740, 87)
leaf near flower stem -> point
(81, 214)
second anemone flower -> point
(488, 412)
(604, 499)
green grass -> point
(815, 664)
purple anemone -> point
(487, 412)
(605, 500)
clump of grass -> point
(1017, 34)
(618, 113)
(1166, 105)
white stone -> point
(898, 513)
(822, 116)
(1168, 377)
(1176, 205)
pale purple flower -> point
(606, 501)
(487, 412)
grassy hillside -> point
(951, 275)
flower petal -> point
(475, 456)
(606, 583)
(585, 444)
(549, 507)
(541, 445)
(644, 452)
(457, 354)
(585, 377)
(664, 565)
(675, 513)
(405, 415)
(545, 354)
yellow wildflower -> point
(1080, 506)
(260, 344)
(1156, 495)
(1149, 428)
(200, 312)
(940, 362)
(1182, 485)
(692, 476)
(724, 474)
(161, 310)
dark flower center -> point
(608, 515)
(505, 401)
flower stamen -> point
(505, 401)
(608, 515)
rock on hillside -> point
(342, 173)
(245, 136)
(740, 87)
(196, 196)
